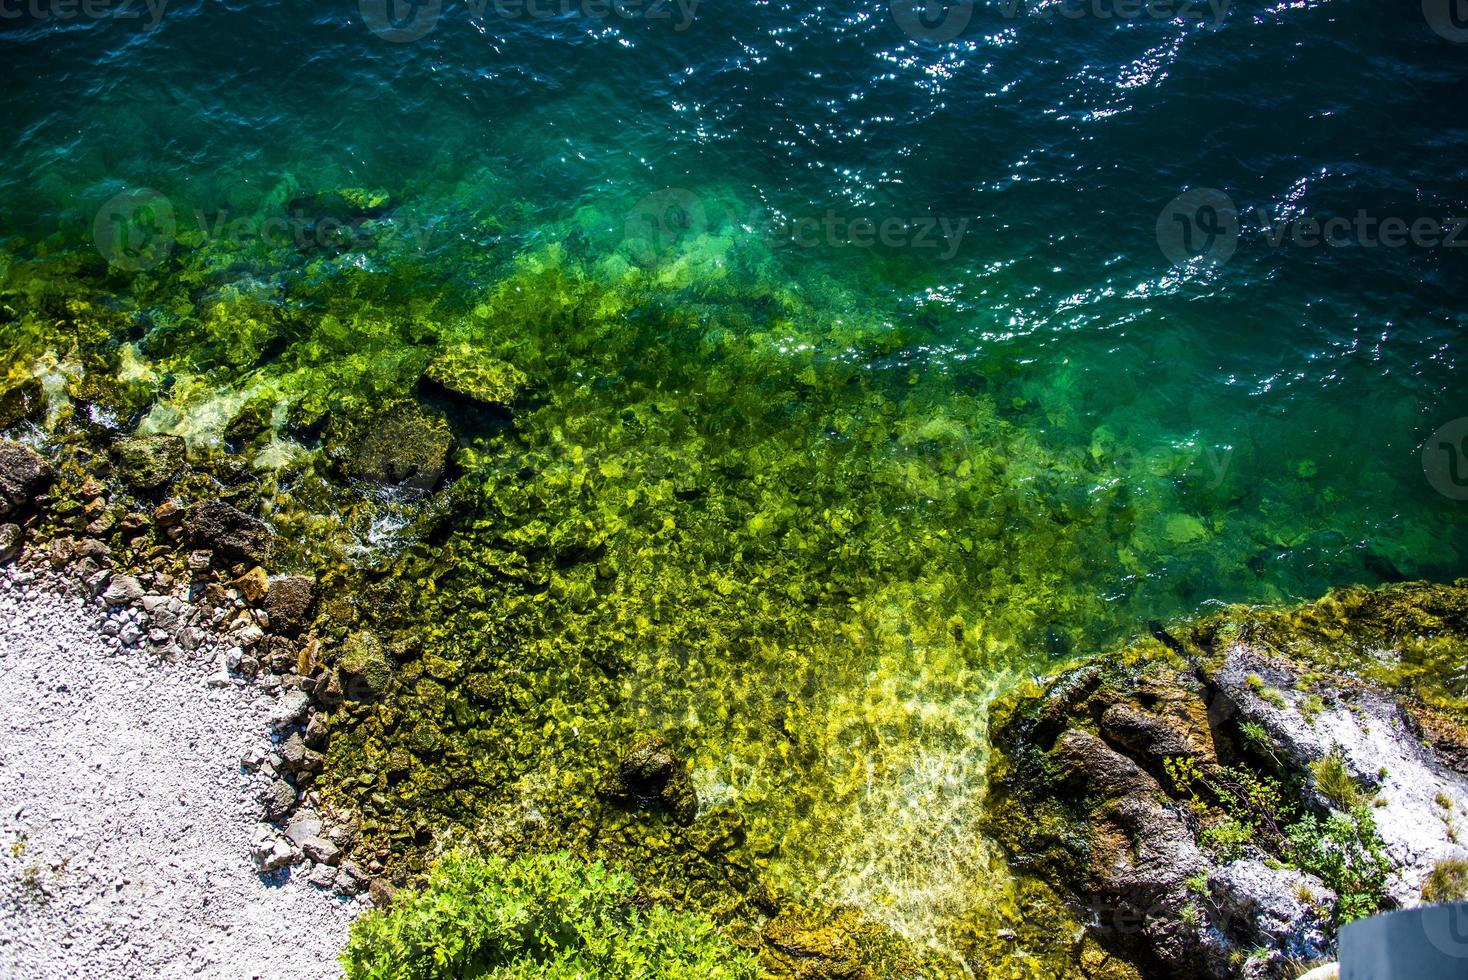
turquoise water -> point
(852, 254)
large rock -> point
(650, 775)
(230, 533)
(1178, 789)
(400, 445)
(148, 463)
(363, 665)
(289, 603)
(23, 475)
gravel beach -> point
(126, 819)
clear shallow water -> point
(1017, 411)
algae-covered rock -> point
(364, 667)
(1225, 800)
(21, 403)
(251, 423)
(840, 944)
(400, 444)
(148, 463)
(651, 775)
(474, 375)
(231, 534)
(23, 475)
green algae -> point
(714, 521)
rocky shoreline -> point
(1219, 802)
(195, 658)
(1212, 803)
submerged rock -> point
(364, 667)
(230, 533)
(650, 775)
(23, 475)
(474, 375)
(21, 403)
(149, 463)
(401, 444)
(1221, 803)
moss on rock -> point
(399, 444)
(151, 462)
(473, 374)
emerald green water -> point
(803, 508)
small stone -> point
(321, 851)
(122, 589)
(278, 799)
(322, 876)
(253, 586)
(168, 514)
(199, 561)
(10, 539)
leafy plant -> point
(1258, 739)
(547, 916)
(1346, 853)
(1228, 838)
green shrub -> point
(1347, 854)
(545, 916)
